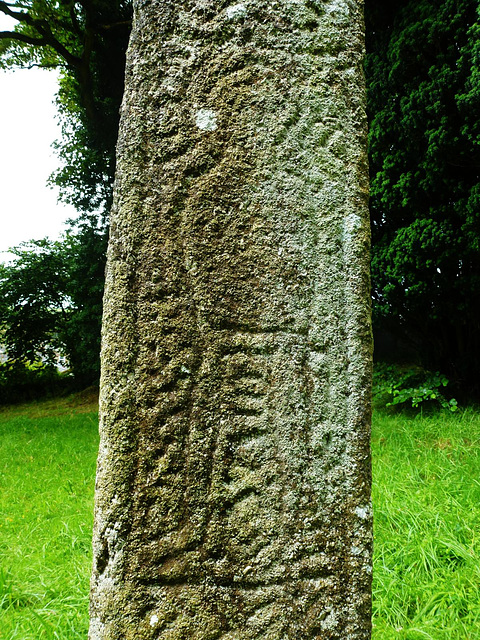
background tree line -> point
(423, 77)
(51, 294)
(423, 80)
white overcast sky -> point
(28, 207)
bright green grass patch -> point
(47, 467)
(427, 523)
(427, 526)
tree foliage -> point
(86, 40)
(33, 300)
(423, 76)
(52, 299)
(423, 71)
(52, 291)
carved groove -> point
(233, 479)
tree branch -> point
(16, 15)
(40, 65)
(75, 24)
(43, 28)
(21, 37)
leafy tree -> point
(52, 292)
(86, 250)
(33, 300)
(423, 71)
(51, 301)
(86, 40)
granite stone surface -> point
(233, 484)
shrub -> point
(21, 381)
(410, 386)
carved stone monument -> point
(233, 487)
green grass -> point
(47, 465)
(427, 522)
(427, 526)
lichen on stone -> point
(236, 11)
(206, 119)
(233, 475)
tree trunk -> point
(233, 487)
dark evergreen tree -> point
(423, 71)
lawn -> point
(47, 467)
(427, 522)
(426, 498)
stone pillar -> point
(233, 487)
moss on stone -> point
(233, 479)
